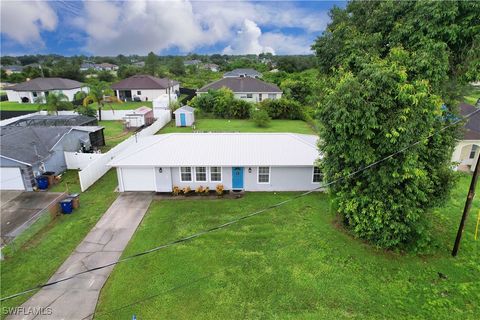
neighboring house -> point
(144, 88)
(467, 150)
(245, 88)
(12, 69)
(184, 116)
(238, 161)
(30, 91)
(191, 63)
(139, 64)
(211, 66)
(98, 66)
(242, 73)
(26, 152)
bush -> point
(282, 109)
(219, 189)
(239, 109)
(86, 111)
(261, 118)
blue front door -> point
(183, 122)
(237, 178)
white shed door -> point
(11, 179)
(138, 179)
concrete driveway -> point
(77, 298)
(20, 209)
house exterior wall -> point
(149, 94)
(461, 153)
(255, 95)
(281, 179)
(17, 96)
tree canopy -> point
(393, 71)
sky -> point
(178, 27)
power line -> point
(234, 221)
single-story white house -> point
(245, 88)
(184, 116)
(467, 150)
(30, 91)
(144, 88)
(238, 161)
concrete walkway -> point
(77, 298)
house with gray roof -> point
(27, 152)
(244, 72)
(12, 69)
(245, 88)
(467, 150)
(144, 88)
(30, 91)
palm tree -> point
(100, 93)
(57, 101)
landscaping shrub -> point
(282, 109)
(261, 118)
(239, 109)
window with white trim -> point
(249, 95)
(201, 174)
(317, 175)
(263, 174)
(185, 174)
(272, 96)
(473, 152)
(215, 174)
(139, 92)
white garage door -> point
(11, 179)
(138, 179)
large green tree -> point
(393, 72)
(151, 64)
(100, 93)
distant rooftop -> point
(472, 126)
(243, 73)
(46, 84)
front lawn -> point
(290, 262)
(114, 133)
(33, 257)
(15, 106)
(224, 125)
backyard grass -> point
(114, 133)
(36, 254)
(473, 95)
(290, 262)
(15, 106)
(224, 125)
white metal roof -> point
(220, 149)
(184, 109)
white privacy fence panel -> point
(79, 161)
(96, 169)
(107, 114)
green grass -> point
(292, 262)
(223, 125)
(15, 106)
(126, 105)
(114, 133)
(473, 95)
(36, 254)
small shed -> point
(142, 116)
(184, 116)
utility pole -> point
(468, 205)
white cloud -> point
(285, 44)
(23, 21)
(247, 41)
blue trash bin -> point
(42, 182)
(66, 206)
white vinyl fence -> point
(79, 161)
(97, 168)
(107, 114)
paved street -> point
(77, 298)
